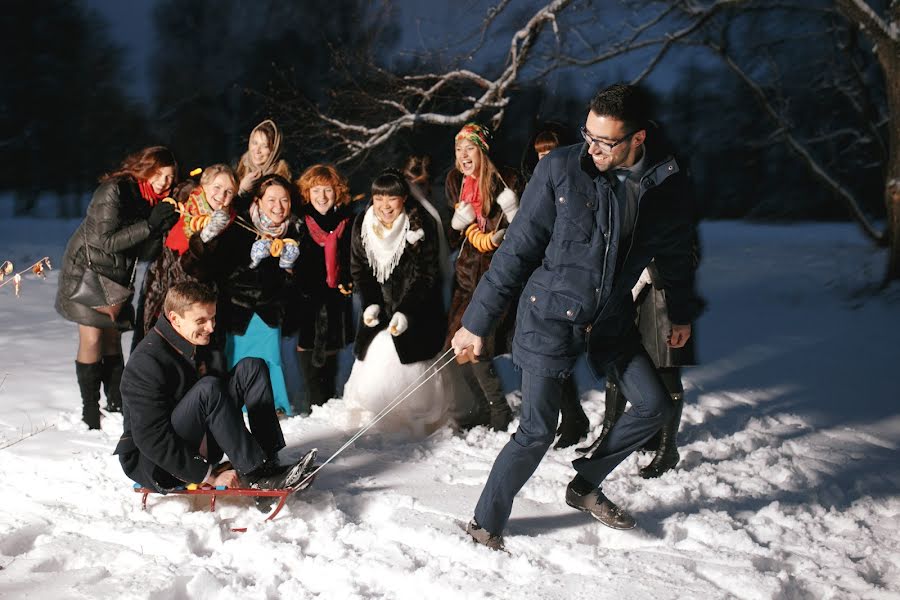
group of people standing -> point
(268, 267)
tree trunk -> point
(892, 169)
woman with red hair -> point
(321, 317)
(126, 222)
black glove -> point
(162, 217)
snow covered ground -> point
(789, 485)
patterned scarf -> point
(329, 241)
(264, 224)
(195, 206)
(478, 134)
(148, 194)
(384, 246)
(471, 195)
(247, 164)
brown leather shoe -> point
(601, 508)
(483, 537)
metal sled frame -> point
(214, 492)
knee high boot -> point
(501, 415)
(312, 377)
(575, 424)
(89, 381)
(667, 454)
(615, 406)
(112, 367)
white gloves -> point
(370, 315)
(463, 216)
(508, 203)
(398, 324)
(498, 236)
(218, 221)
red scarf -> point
(329, 241)
(148, 194)
(471, 195)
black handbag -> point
(102, 293)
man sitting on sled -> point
(179, 419)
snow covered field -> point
(789, 485)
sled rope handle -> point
(403, 395)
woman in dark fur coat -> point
(395, 272)
(320, 317)
(251, 261)
(126, 221)
(484, 203)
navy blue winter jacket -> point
(564, 247)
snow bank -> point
(788, 485)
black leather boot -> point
(575, 424)
(667, 455)
(615, 406)
(319, 379)
(89, 381)
(112, 367)
(500, 415)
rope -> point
(402, 396)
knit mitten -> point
(370, 315)
(289, 255)
(218, 221)
(508, 203)
(258, 251)
(398, 324)
(463, 216)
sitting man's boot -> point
(274, 476)
(483, 537)
(581, 494)
(575, 424)
(615, 406)
(667, 454)
(501, 415)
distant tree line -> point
(218, 68)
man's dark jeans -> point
(209, 417)
(518, 460)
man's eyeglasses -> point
(605, 147)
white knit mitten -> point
(463, 216)
(218, 221)
(399, 324)
(370, 315)
(508, 203)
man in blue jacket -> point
(592, 217)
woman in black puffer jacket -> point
(126, 221)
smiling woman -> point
(251, 262)
(206, 208)
(319, 318)
(126, 222)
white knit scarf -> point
(384, 246)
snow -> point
(788, 485)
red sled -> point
(214, 492)
(220, 490)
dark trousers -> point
(210, 417)
(537, 428)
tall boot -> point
(89, 380)
(667, 454)
(500, 413)
(615, 406)
(312, 377)
(575, 424)
(112, 367)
